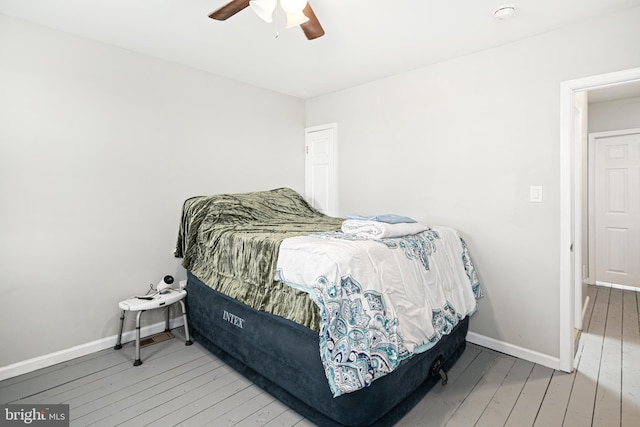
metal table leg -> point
(119, 342)
(138, 362)
(186, 325)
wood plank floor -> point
(187, 386)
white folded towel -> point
(381, 230)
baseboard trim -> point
(514, 350)
(51, 359)
(616, 286)
(584, 307)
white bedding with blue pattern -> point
(381, 300)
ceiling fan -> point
(298, 13)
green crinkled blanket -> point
(231, 243)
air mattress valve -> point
(436, 370)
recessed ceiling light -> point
(504, 11)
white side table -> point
(151, 302)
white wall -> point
(99, 147)
(459, 143)
(614, 115)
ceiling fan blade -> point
(312, 28)
(229, 9)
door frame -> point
(571, 170)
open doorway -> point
(614, 199)
(571, 203)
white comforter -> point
(381, 299)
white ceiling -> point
(365, 39)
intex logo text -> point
(233, 319)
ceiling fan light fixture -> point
(264, 8)
(295, 19)
(293, 6)
(298, 13)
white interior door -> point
(617, 207)
(320, 168)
